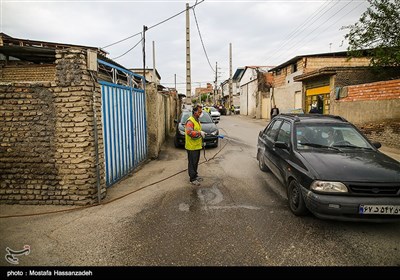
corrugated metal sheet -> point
(124, 129)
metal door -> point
(124, 127)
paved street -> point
(237, 217)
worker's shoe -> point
(195, 182)
(199, 179)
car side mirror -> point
(377, 144)
(281, 145)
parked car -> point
(330, 168)
(236, 110)
(207, 124)
(215, 115)
(221, 109)
(296, 111)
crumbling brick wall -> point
(386, 131)
(47, 144)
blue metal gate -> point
(124, 124)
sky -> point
(262, 33)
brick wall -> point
(34, 73)
(375, 109)
(47, 145)
(384, 90)
(309, 64)
(386, 131)
(315, 63)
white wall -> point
(248, 95)
(289, 96)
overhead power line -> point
(297, 32)
(298, 42)
(161, 22)
(120, 41)
(129, 49)
(201, 39)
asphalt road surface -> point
(237, 217)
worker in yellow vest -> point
(194, 143)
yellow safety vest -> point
(193, 144)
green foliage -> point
(378, 30)
(204, 98)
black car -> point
(207, 124)
(330, 168)
(221, 109)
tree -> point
(378, 30)
(204, 97)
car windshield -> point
(212, 109)
(205, 118)
(312, 136)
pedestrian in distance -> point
(194, 143)
(274, 112)
(314, 109)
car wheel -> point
(296, 201)
(261, 164)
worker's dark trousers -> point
(193, 163)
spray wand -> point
(220, 136)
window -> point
(284, 133)
(335, 135)
(273, 130)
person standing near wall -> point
(274, 112)
(314, 109)
(194, 143)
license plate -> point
(380, 209)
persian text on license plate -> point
(380, 209)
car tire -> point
(296, 200)
(261, 164)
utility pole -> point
(188, 77)
(178, 108)
(154, 65)
(215, 83)
(175, 82)
(144, 56)
(230, 78)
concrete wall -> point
(248, 98)
(47, 144)
(161, 112)
(284, 96)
